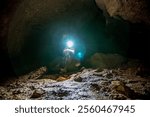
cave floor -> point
(87, 84)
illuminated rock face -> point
(131, 10)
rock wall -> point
(130, 10)
(7, 8)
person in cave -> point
(68, 54)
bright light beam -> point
(70, 44)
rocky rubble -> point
(87, 84)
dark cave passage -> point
(36, 37)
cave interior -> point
(111, 42)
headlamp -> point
(70, 44)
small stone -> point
(79, 79)
(116, 83)
(77, 64)
(16, 92)
(96, 87)
(118, 86)
(61, 79)
(83, 68)
(37, 93)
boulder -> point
(101, 60)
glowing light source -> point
(70, 44)
(80, 55)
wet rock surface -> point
(87, 84)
